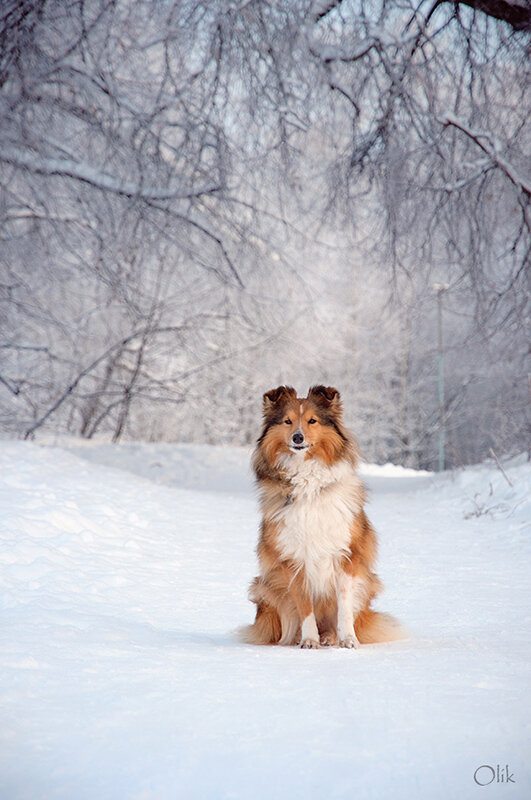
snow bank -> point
(190, 466)
(502, 493)
(123, 573)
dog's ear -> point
(327, 397)
(276, 396)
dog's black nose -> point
(297, 438)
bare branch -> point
(13, 389)
(43, 165)
(489, 146)
(516, 13)
(321, 8)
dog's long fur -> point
(317, 548)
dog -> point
(317, 549)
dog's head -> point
(303, 426)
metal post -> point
(440, 288)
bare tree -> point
(181, 180)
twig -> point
(495, 457)
(13, 389)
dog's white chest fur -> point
(315, 527)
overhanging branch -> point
(517, 13)
(486, 143)
(68, 168)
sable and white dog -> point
(317, 548)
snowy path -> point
(119, 677)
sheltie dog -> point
(317, 548)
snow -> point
(124, 571)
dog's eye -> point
(312, 421)
(287, 421)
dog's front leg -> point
(309, 631)
(351, 596)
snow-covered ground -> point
(123, 572)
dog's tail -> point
(375, 626)
(266, 629)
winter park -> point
(265, 400)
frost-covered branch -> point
(321, 8)
(15, 390)
(43, 165)
(490, 147)
(351, 51)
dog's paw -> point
(309, 644)
(350, 642)
(328, 639)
